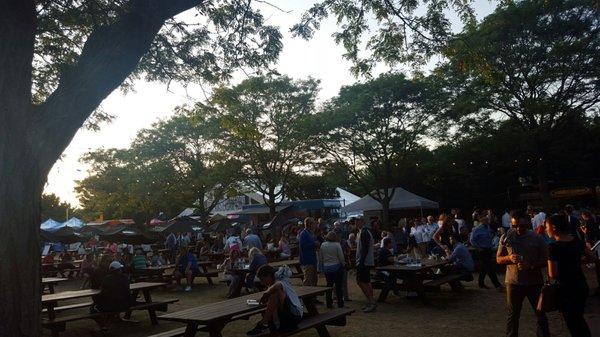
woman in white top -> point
(332, 259)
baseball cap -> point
(115, 265)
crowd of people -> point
(525, 243)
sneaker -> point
(188, 288)
(258, 330)
(370, 308)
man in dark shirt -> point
(524, 253)
(114, 291)
(386, 258)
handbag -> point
(548, 300)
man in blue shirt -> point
(461, 258)
(308, 253)
(252, 240)
(482, 238)
(187, 265)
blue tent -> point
(51, 225)
(73, 223)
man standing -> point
(430, 228)
(308, 253)
(365, 260)
(482, 238)
(252, 240)
(524, 253)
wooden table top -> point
(208, 313)
(67, 295)
(61, 263)
(53, 280)
(426, 264)
(163, 267)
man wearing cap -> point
(114, 291)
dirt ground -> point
(472, 312)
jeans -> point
(488, 267)
(336, 279)
(515, 294)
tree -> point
(171, 165)
(265, 126)
(54, 208)
(534, 62)
(371, 127)
(58, 61)
(390, 31)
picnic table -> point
(50, 301)
(58, 324)
(61, 267)
(215, 316)
(157, 272)
(414, 277)
(50, 282)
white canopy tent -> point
(402, 199)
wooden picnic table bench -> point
(58, 324)
(213, 317)
(61, 268)
(153, 273)
(50, 282)
(414, 278)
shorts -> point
(287, 320)
(363, 274)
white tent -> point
(402, 199)
(346, 198)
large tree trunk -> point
(21, 185)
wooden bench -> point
(181, 331)
(59, 324)
(208, 275)
(70, 306)
(450, 279)
(335, 317)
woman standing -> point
(564, 267)
(332, 259)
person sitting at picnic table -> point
(285, 252)
(233, 242)
(87, 269)
(442, 235)
(252, 240)
(229, 276)
(386, 258)
(139, 260)
(114, 294)
(462, 261)
(66, 260)
(187, 266)
(257, 259)
(48, 263)
(283, 307)
(100, 272)
(332, 264)
(157, 260)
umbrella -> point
(129, 235)
(184, 224)
(64, 235)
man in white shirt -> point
(538, 220)
(506, 220)
(430, 228)
(418, 232)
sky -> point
(319, 58)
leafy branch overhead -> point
(389, 31)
